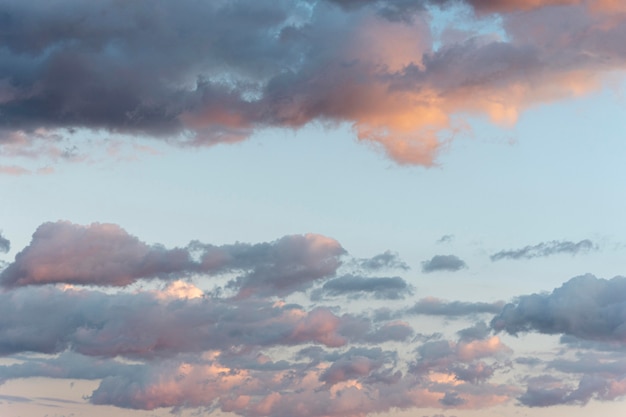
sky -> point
(312, 208)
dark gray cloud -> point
(68, 365)
(443, 263)
(544, 249)
(148, 325)
(479, 331)
(586, 307)
(546, 391)
(391, 288)
(385, 260)
(5, 244)
(209, 72)
(452, 399)
(436, 307)
(106, 255)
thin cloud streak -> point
(545, 249)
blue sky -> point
(452, 248)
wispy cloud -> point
(436, 307)
(544, 249)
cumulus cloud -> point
(178, 346)
(107, 255)
(443, 263)
(5, 244)
(544, 249)
(586, 307)
(99, 254)
(200, 73)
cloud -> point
(436, 307)
(385, 260)
(443, 263)
(145, 325)
(392, 288)
(544, 249)
(445, 239)
(106, 255)
(98, 254)
(5, 244)
(198, 73)
(545, 391)
(586, 307)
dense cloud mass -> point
(106, 255)
(200, 73)
(545, 249)
(586, 307)
(249, 348)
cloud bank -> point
(251, 345)
(200, 73)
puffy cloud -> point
(145, 325)
(586, 307)
(286, 265)
(443, 263)
(106, 255)
(99, 254)
(544, 249)
(436, 307)
(5, 244)
(545, 391)
(201, 73)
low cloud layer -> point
(201, 73)
(544, 249)
(443, 263)
(256, 348)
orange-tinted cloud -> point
(375, 65)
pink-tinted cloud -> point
(370, 64)
(98, 254)
(107, 255)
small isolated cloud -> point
(391, 288)
(385, 260)
(445, 239)
(443, 263)
(586, 307)
(544, 249)
(5, 244)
